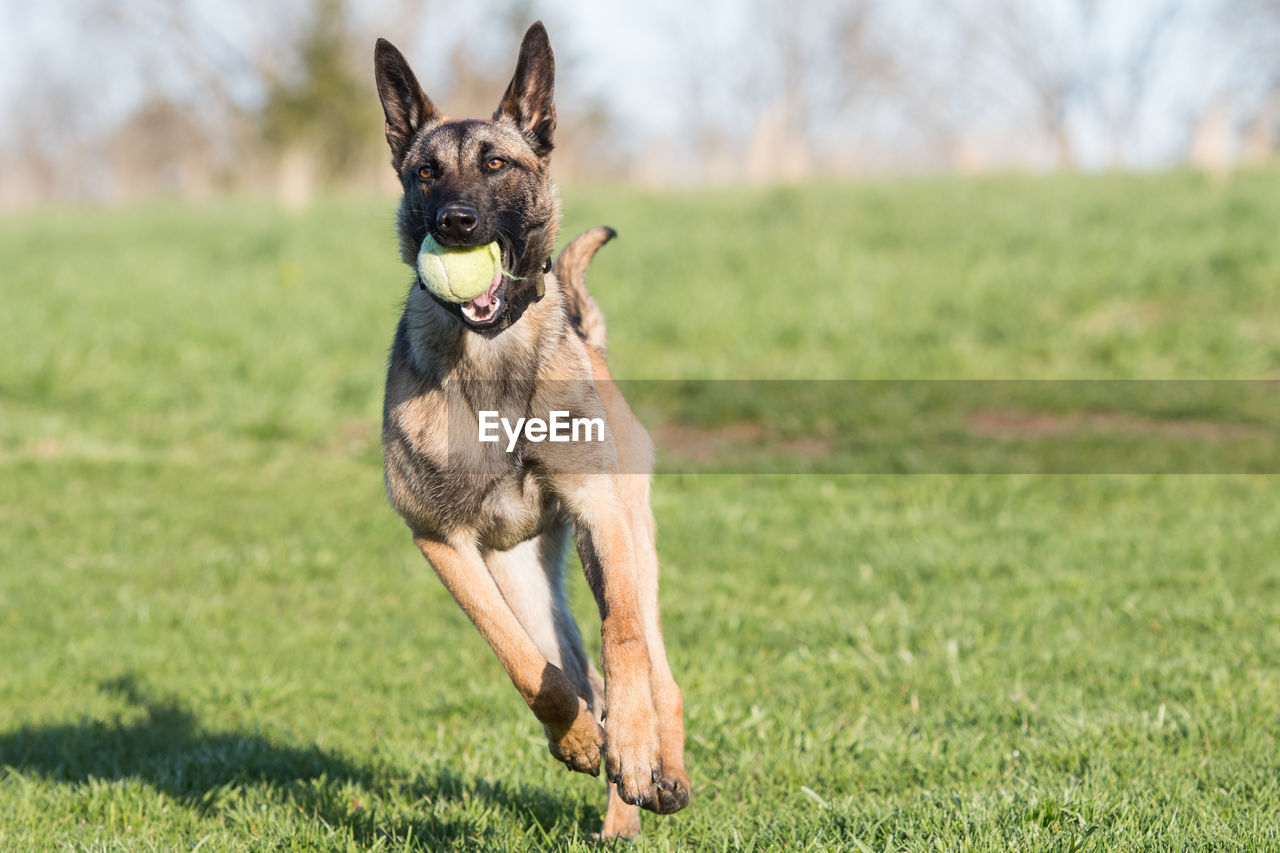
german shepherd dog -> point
(495, 523)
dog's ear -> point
(404, 104)
(529, 98)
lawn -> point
(216, 635)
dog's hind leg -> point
(635, 457)
(621, 819)
(673, 787)
(572, 727)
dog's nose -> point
(456, 221)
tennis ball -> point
(458, 275)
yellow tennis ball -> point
(458, 275)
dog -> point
(495, 520)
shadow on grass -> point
(202, 769)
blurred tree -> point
(321, 112)
(1082, 80)
(809, 74)
(162, 149)
(770, 91)
(1251, 28)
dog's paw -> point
(672, 793)
(633, 759)
(579, 744)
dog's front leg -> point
(607, 547)
(575, 737)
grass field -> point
(216, 635)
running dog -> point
(495, 519)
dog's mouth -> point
(485, 309)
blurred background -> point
(107, 100)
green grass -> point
(216, 635)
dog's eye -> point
(426, 173)
(495, 163)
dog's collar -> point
(517, 302)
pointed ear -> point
(403, 103)
(528, 101)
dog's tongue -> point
(485, 299)
(486, 303)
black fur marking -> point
(405, 106)
(529, 99)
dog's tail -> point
(571, 270)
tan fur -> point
(571, 268)
(495, 524)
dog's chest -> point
(443, 479)
(513, 510)
(502, 504)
